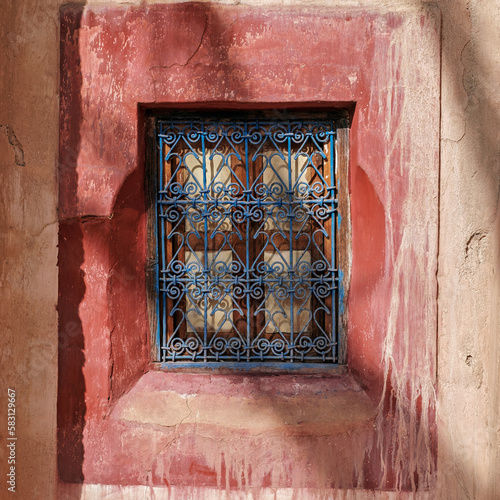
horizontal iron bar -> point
(272, 366)
(265, 280)
(232, 203)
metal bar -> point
(290, 239)
(205, 250)
(247, 249)
(163, 263)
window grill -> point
(246, 229)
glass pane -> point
(288, 295)
(213, 309)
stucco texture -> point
(468, 354)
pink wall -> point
(115, 62)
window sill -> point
(254, 368)
(248, 403)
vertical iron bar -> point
(205, 263)
(290, 236)
(247, 246)
(159, 334)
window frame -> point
(343, 246)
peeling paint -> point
(206, 434)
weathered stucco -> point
(117, 61)
(468, 354)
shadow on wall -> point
(71, 406)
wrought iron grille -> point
(246, 231)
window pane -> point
(214, 309)
(287, 304)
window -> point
(244, 238)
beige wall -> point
(469, 271)
(469, 253)
(28, 239)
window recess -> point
(244, 238)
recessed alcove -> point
(122, 422)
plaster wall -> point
(468, 353)
(232, 56)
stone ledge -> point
(251, 404)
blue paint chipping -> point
(341, 292)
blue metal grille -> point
(247, 223)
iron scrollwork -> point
(247, 218)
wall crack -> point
(191, 56)
(87, 218)
(16, 145)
